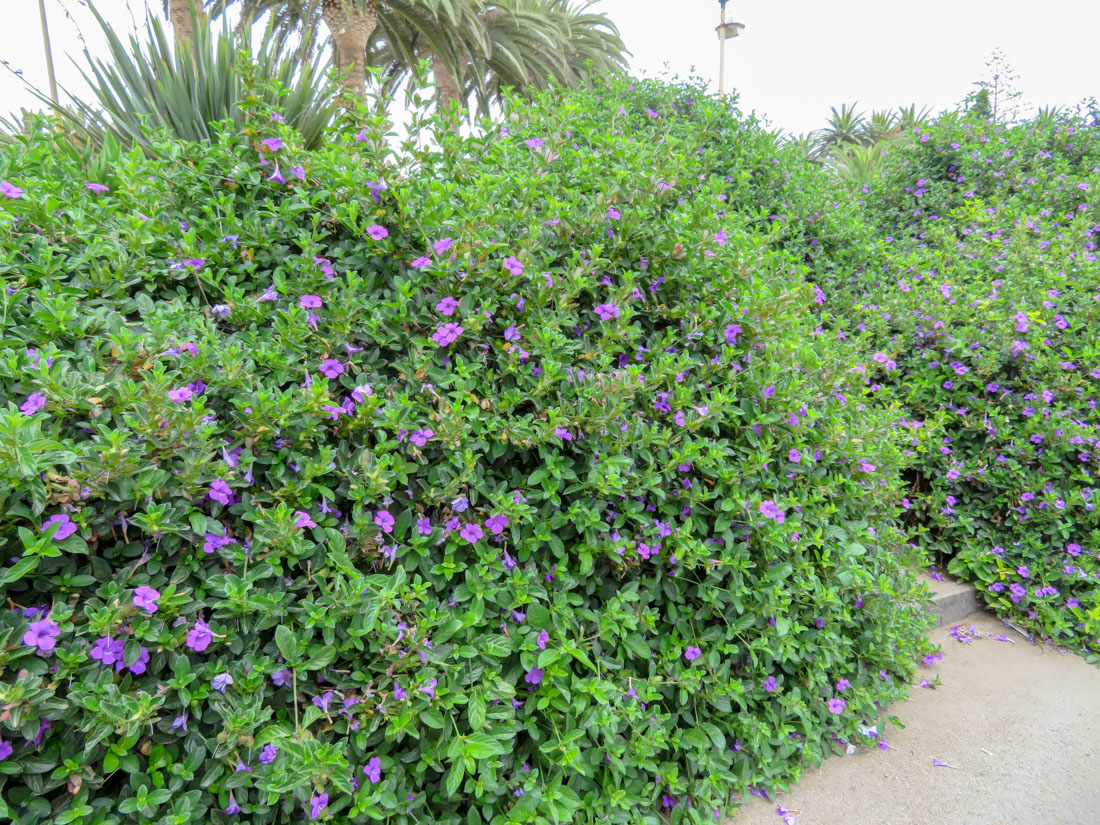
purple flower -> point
(221, 682)
(534, 142)
(67, 526)
(378, 232)
(447, 334)
(769, 391)
(384, 520)
(139, 665)
(220, 492)
(5, 747)
(35, 401)
(496, 524)
(421, 262)
(299, 172)
(542, 639)
(447, 306)
(513, 265)
(563, 434)
(146, 597)
(268, 754)
(232, 808)
(42, 634)
(199, 637)
(108, 651)
(430, 688)
(770, 684)
(420, 437)
(607, 311)
(731, 332)
(472, 532)
(213, 541)
(843, 685)
(272, 144)
(692, 653)
(794, 456)
(331, 368)
(302, 519)
(178, 396)
(317, 805)
(534, 676)
(443, 245)
(277, 176)
(837, 706)
(424, 526)
(98, 188)
(282, 677)
(373, 770)
(769, 509)
(10, 190)
(511, 333)
(310, 301)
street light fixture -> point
(725, 30)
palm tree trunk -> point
(179, 12)
(446, 86)
(351, 23)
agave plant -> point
(807, 144)
(882, 125)
(860, 164)
(910, 118)
(187, 87)
(844, 126)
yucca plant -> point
(187, 88)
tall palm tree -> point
(523, 44)
(352, 22)
(476, 47)
(185, 15)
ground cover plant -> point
(978, 306)
(502, 479)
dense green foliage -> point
(978, 306)
(504, 481)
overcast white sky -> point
(794, 60)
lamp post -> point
(725, 30)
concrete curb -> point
(952, 600)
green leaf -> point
(454, 777)
(482, 746)
(287, 644)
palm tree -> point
(523, 44)
(185, 15)
(476, 47)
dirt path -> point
(1019, 723)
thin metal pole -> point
(722, 53)
(49, 53)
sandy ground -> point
(1019, 723)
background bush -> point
(978, 309)
(501, 481)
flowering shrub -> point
(501, 480)
(979, 311)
